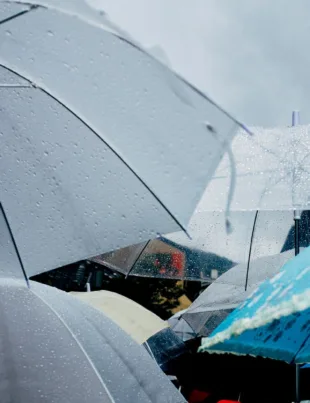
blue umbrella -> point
(275, 321)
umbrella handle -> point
(297, 383)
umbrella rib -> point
(14, 243)
(250, 252)
(21, 13)
(109, 146)
(137, 258)
(300, 348)
(77, 342)
(191, 86)
(130, 42)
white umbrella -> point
(55, 348)
(272, 172)
(101, 145)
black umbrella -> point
(55, 348)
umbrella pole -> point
(297, 367)
(297, 222)
(295, 122)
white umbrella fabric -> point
(98, 139)
(142, 325)
(55, 348)
(272, 172)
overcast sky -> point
(250, 56)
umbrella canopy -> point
(212, 251)
(269, 183)
(272, 172)
(181, 327)
(55, 348)
(95, 144)
(274, 321)
(228, 291)
(141, 324)
(137, 321)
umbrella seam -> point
(250, 252)
(199, 92)
(301, 347)
(78, 344)
(128, 364)
(14, 244)
(181, 317)
(109, 146)
(137, 258)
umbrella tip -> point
(188, 234)
(229, 227)
(295, 118)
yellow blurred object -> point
(184, 303)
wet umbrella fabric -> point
(142, 325)
(212, 252)
(56, 348)
(272, 172)
(274, 321)
(95, 144)
(271, 181)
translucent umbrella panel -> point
(216, 302)
(95, 144)
(212, 251)
(272, 172)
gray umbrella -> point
(98, 139)
(55, 348)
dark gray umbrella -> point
(55, 348)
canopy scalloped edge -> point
(264, 316)
(116, 31)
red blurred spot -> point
(228, 401)
(178, 261)
(197, 396)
